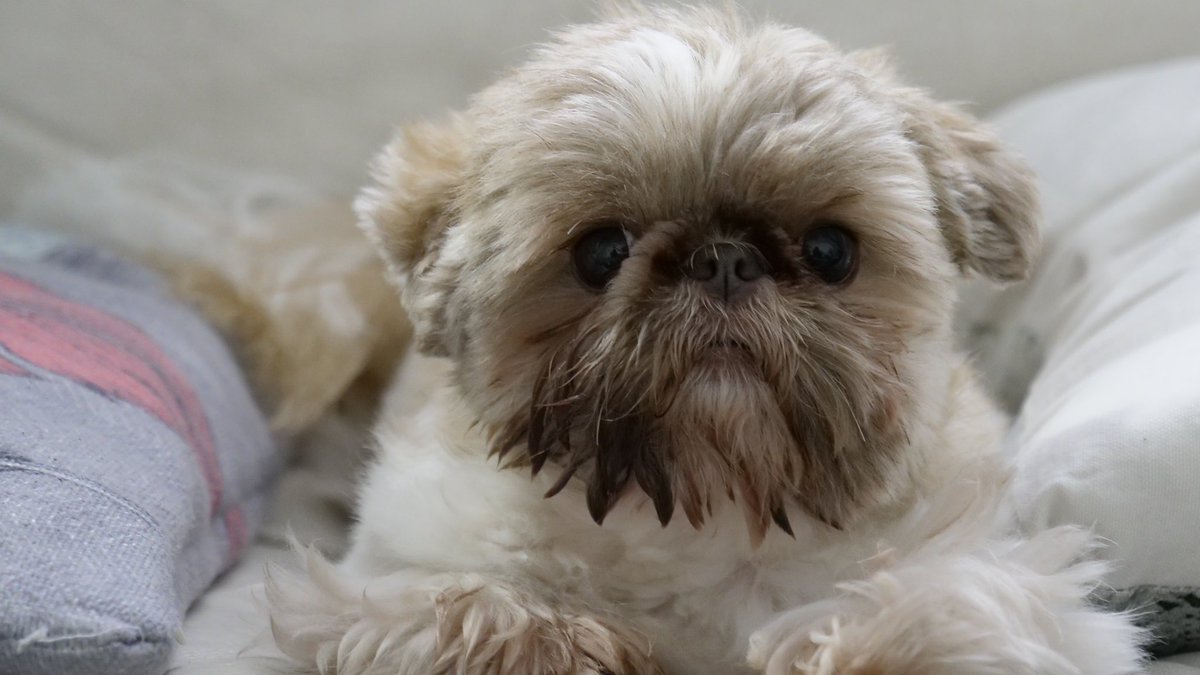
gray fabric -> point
(133, 462)
(1171, 613)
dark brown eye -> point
(830, 252)
(599, 254)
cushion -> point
(1099, 354)
(133, 461)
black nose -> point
(727, 270)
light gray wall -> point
(311, 87)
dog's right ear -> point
(408, 213)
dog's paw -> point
(1020, 610)
(488, 628)
(794, 645)
(443, 624)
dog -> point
(684, 396)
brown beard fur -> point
(785, 401)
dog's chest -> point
(702, 593)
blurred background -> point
(311, 88)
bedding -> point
(133, 461)
(1099, 353)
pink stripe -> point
(110, 356)
(235, 527)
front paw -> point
(414, 624)
(489, 628)
(964, 614)
(795, 644)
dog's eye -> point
(831, 252)
(599, 254)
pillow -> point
(133, 461)
(1099, 353)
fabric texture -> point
(1098, 352)
(133, 461)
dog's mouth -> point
(728, 345)
(727, 352)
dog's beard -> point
(696, 403)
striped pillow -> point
(133, 461)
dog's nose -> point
(727, 270)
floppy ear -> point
(987, 198)
(408, 212)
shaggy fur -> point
(834, 462)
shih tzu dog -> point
(686, 399)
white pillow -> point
(1100, 352)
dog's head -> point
(678, 254)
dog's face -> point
(678, 255)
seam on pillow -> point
(140, 654)
(80, 643)
(13, 463)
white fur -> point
(657, 119)
(929, 592)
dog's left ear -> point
(987, 199)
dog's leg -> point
(413, 623)
(1016, 609)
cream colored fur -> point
(279, 270)
(850, 420)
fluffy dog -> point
(687, 400)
